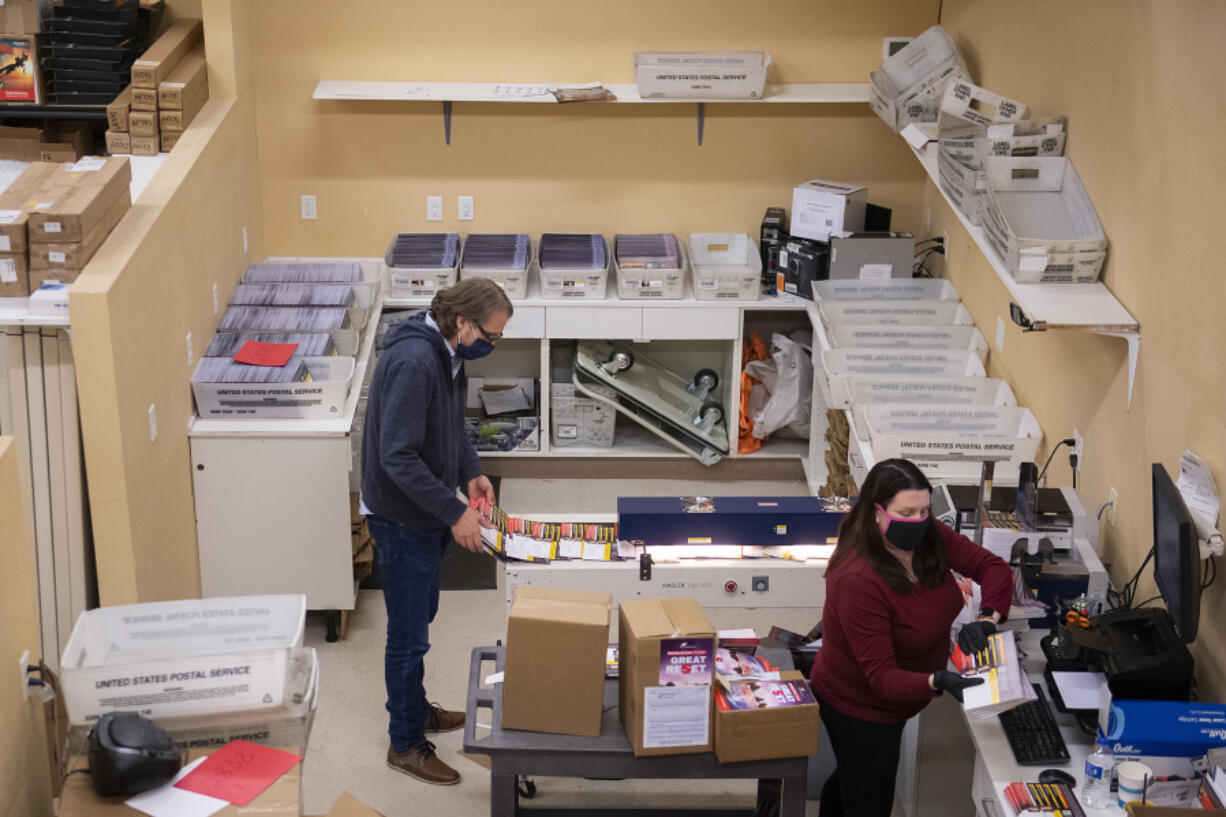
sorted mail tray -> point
(1038, 218)
(648, 283)
(839, 364)
(701, 74)
(180, 658)
(409, 281)
(726, 267)
(909, 85)
(321, 398)
(568, 284)
(513, 281)
(908, 336)
(836, 313)
(888, 289)
(949, 441)
(863, 389)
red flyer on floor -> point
(239, 771)
(265, 354)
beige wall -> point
(534, 168)
(1140, 83)
(149, 286)
(25, 776)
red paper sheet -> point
(239, 771)
(265, 354)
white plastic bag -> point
(782, 403)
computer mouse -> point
(1050, 776)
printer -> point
(1140, 653)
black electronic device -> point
(1052, 510)
(1032, 733)
(1176, 555)
(129, 754)
(1027, 507)
(774, 234)
(877, 218)
(1052, 776)
(801, 262)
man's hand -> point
(467, 531)
(482, 487)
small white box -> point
(726, 267)
(322, 398)
(820, 208)
(179, 658)
(1038, 218)
(576, 420)
(701, 74)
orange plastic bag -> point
(755, 349)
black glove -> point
(973, 637)
(953, 683)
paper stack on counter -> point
(1004, 679)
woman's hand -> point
(951, 682)
(973, 637)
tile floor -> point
(349, 739)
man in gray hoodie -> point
(415, 454)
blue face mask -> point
(472, 351)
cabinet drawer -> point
(667, 323)
(594, 322)
(527, 322)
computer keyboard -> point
(1032, 732)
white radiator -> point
(38, 407)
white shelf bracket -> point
(1134, 351)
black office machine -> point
(129, 754)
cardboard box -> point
(20, 17)
(765, 734)
(58, 276)
(117, 111)
(20, 144)
(179, 118)
(145, 145)
(666, 665)
(21, 71)
(555, 661)
(156, 64)
(1180, 729)
(75, 255)
(189, 78)
(144, 123)
(278, 800)
(144, 99)
(118, 142)
(58, 152)
(349, 806)
(820, 208)
(169, 139)
(14, 275)
(17, 202)
(77, 197)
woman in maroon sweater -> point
(890, 602)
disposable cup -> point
(1133, 777)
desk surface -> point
(997, 758)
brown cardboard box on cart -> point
(14, 275)
(76, 197)
(16, 204)
(666, 663)
(555, 661)
(766, 734)
(74, 255)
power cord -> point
(1122, 599)
(920, 268)
(1069, 441)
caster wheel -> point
(711, 411)
(705, 377)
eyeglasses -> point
(492, 337)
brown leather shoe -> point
(423, 764)
(440, 720)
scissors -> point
(1076, 618)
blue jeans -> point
(410, 558)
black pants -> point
(866, 758)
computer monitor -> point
(1176, 555)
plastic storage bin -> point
(879, 312)
(725, 266)
(890, 289)
(577, 284)
(837, 365)
(513, 281)
(908, 336)
(862, 389)
(909, 85)
(576, 420)
(323, 397)
(701, 74)
(181, 658)
(419, 282)
(949, 441)
(637, 283)
(1038, 218)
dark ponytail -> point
(474, 299)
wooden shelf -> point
(1083, 307)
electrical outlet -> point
(434, 208)
(308, 208)
(1000, 334)
(1079, 449)
(464, 210)
(153, 422)
(1114, 499)
(190, 353)
(244, 239)
(216, 300)
(24, 664)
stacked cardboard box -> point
(54, 217)
(134, 117)
(59, 141)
